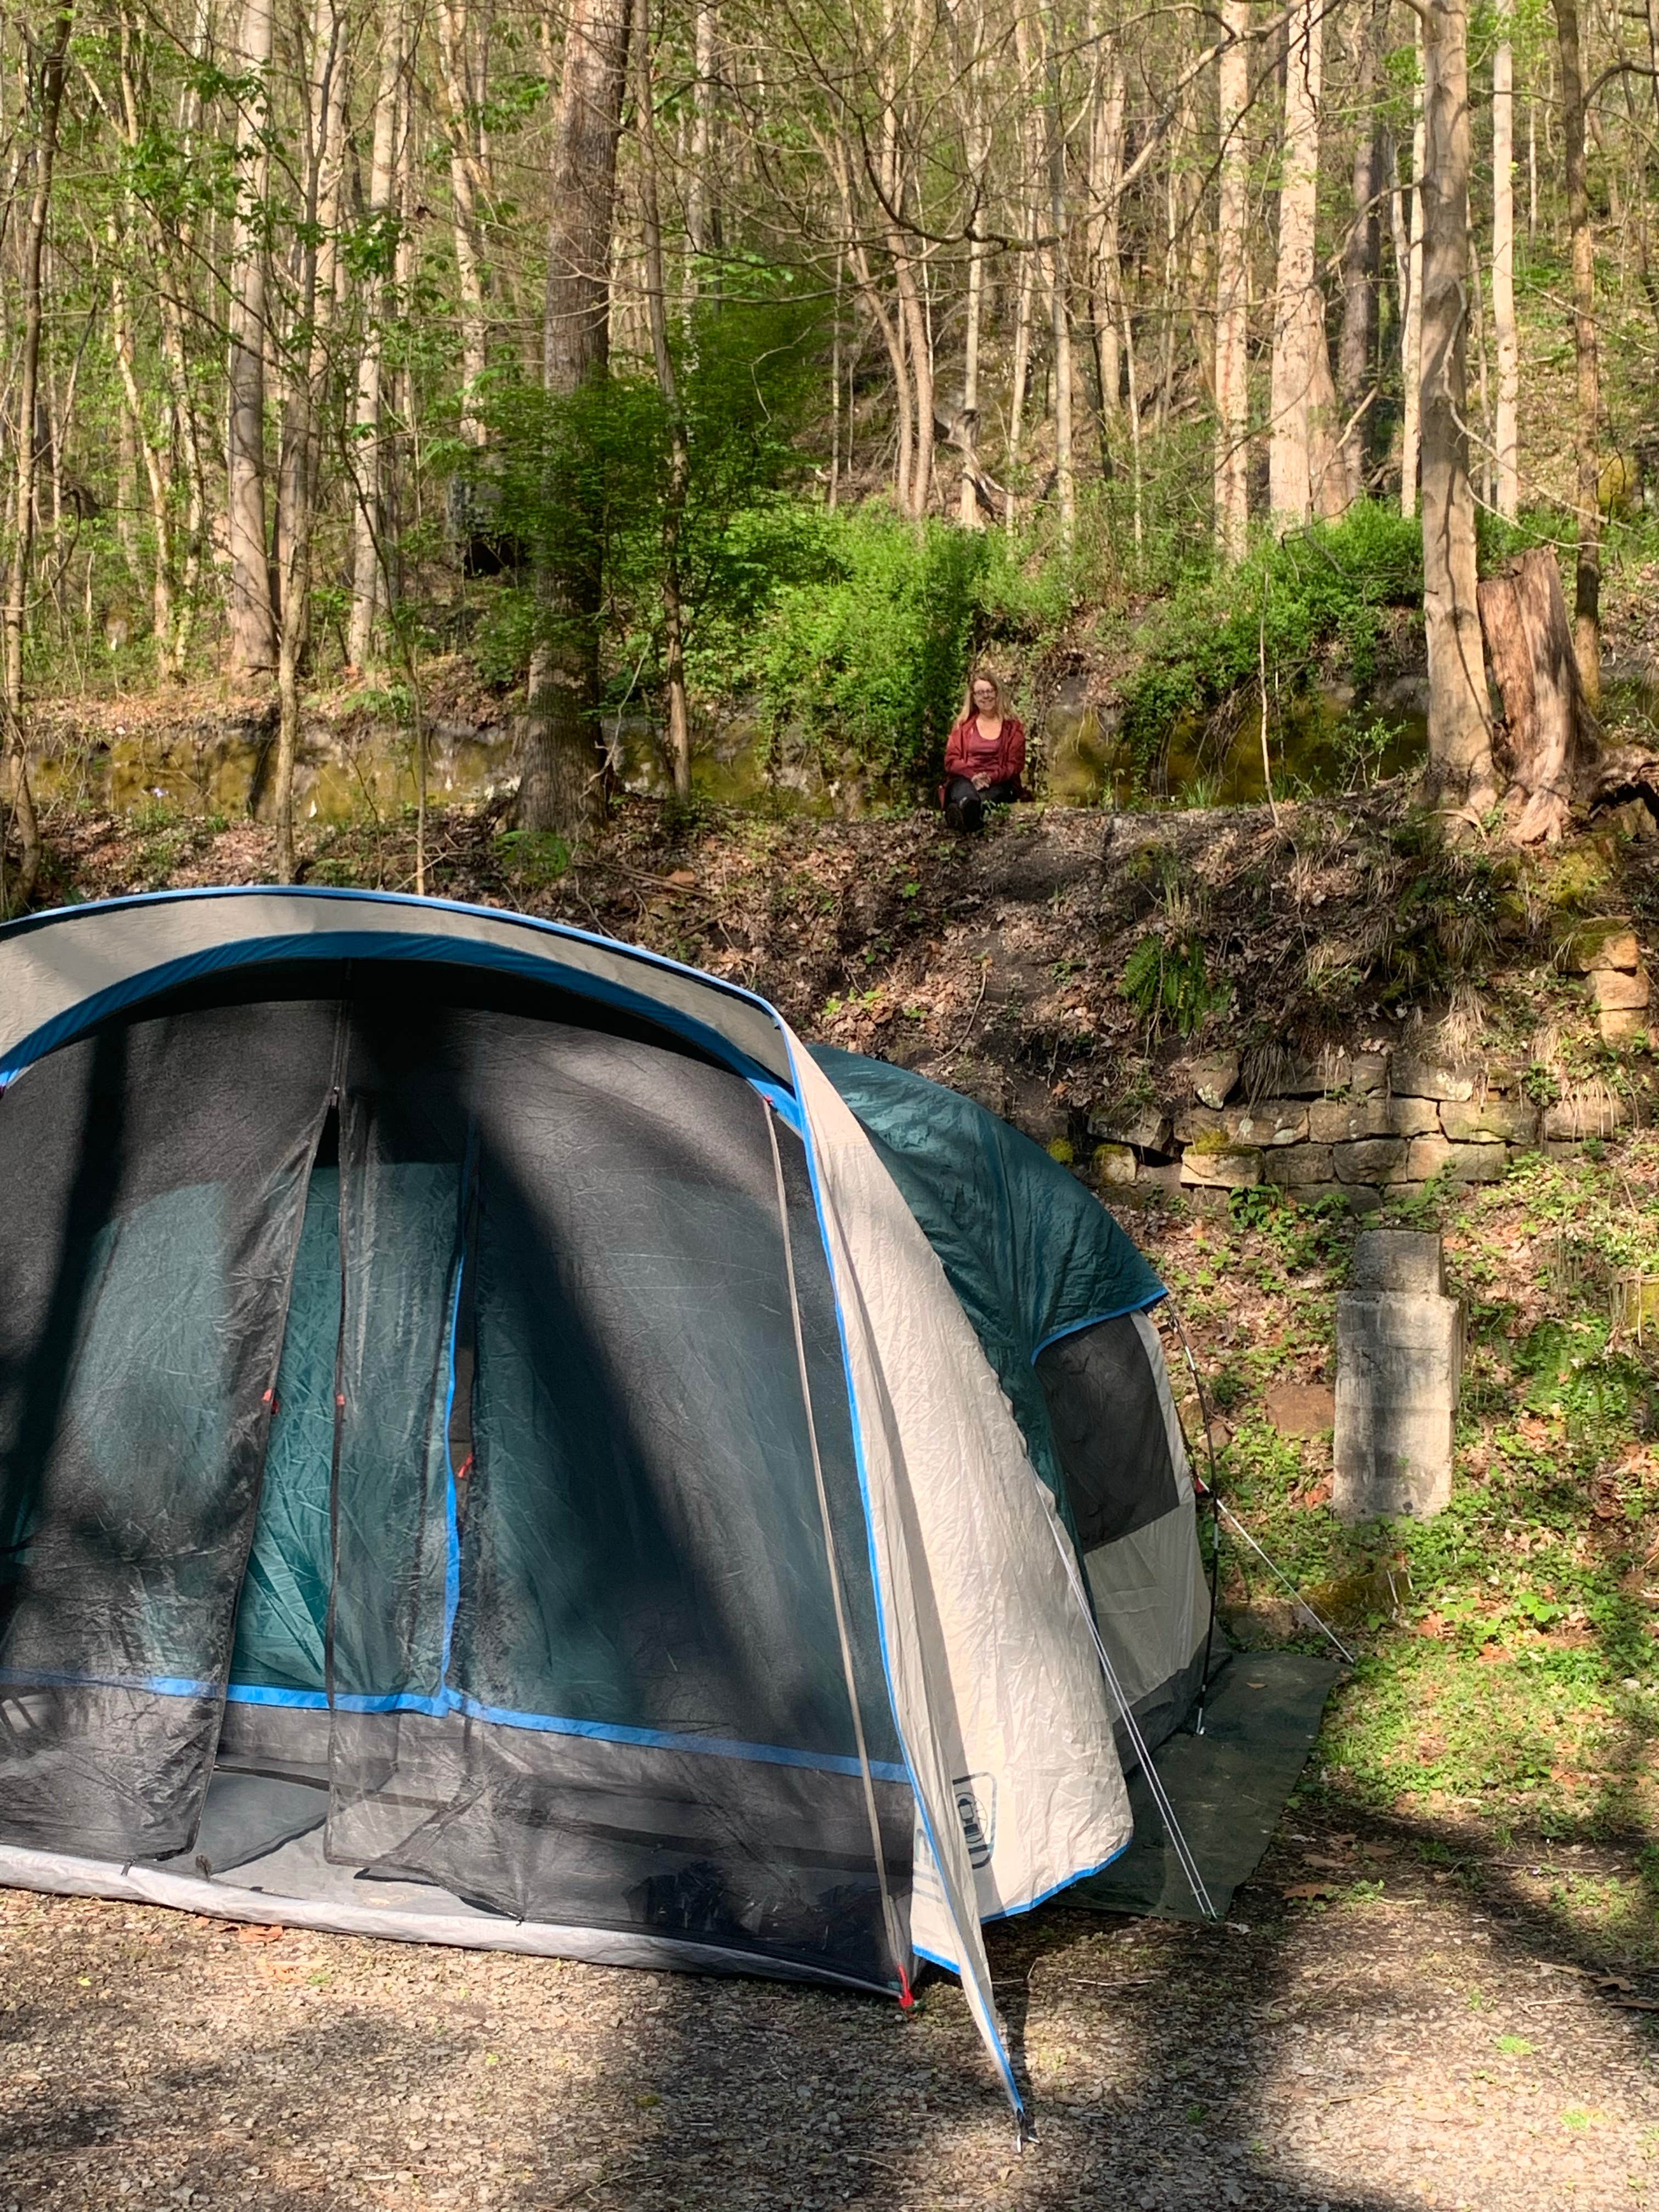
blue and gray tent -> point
(501, 1444)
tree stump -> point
(1552, 732)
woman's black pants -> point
(964, 806)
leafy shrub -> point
(869, 651)
(1166, 979)
(1327, 586)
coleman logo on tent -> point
(979, 1824)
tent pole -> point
(889, 1916)
(1154, 1782)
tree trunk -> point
(1587, 577)
(1020, 388)
(1551, 737)
(152, 455)
(1305, 470)
(977, 138)
(1290, 486)
(1410, 333)
(1232, 396)
(1022, 365)
(307, 352)
(175, 251)
(679, 468)
(462, 99)
(560, 789)
(253, 618)
(1105, 170)
(155, 451)
(1360, 257)
(912, 316)
(1060, 294)
(1460, 734)
(48, 105)
(369, 578)
(1507, 440)
(701, 207)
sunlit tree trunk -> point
(561, 789)
(1290, 483)
(175, 256)
(1411, 335)
(903, 253)
(977, 139)
(1503, 265)
(1103, 234)
(1587, 581)
(702, 205)
(307, 352)
(679, 467)
(253, 618)
(1232, 396)
(1460, 732)
(1059, 292)
(369, 578)
(48, 101)
(1031, 221)
(1305, 470)
(463, 98)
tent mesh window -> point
(1109, 1429)
(483, 1445)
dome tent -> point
(500, 1444)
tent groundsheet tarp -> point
(1228, 1788)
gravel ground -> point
(1431, 2034)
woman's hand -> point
(981, 782)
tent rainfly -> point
(500, 1444)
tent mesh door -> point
(642, 1719)
(155, 1178)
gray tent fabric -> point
(1059, 1297)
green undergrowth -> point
(1506, 1652)
(1290, 603)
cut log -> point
(1551, 734)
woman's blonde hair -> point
(984, 676)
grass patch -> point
(1507, 1651)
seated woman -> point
(984, 758)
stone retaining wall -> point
(1361, 1123)
(1356, 1124)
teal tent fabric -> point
(1031, 1253)
(282, 1618)
(389, 1511)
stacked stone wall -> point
(1357, 1124)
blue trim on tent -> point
(346, 944)
(828, 1762)
(317, 1701)
(1014, 1911)
(93, 1009)
(970, 1988)
(452, 1509)
(1083, 1873)
(784, 1104)
(1075, 1327)
(453, 1701)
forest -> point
(655, 354)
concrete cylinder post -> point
(1398, 1367)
